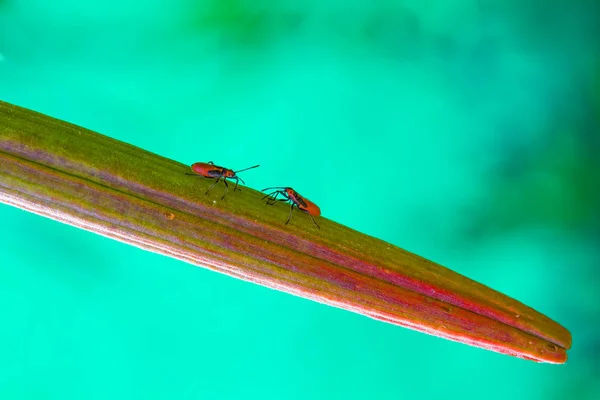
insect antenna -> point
(246, 169)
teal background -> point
(464, 131)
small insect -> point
(290, 195)
(210, 170)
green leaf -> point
(93, 182)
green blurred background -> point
(464, 131)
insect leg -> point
(311, 217)
(236, 185)
(285, 196)
(226, 188)
(267, 195)
(271, 197)
(213, 185)
(290, 216)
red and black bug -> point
(290, 195)
(210, 170)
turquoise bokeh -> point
(465, 133)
